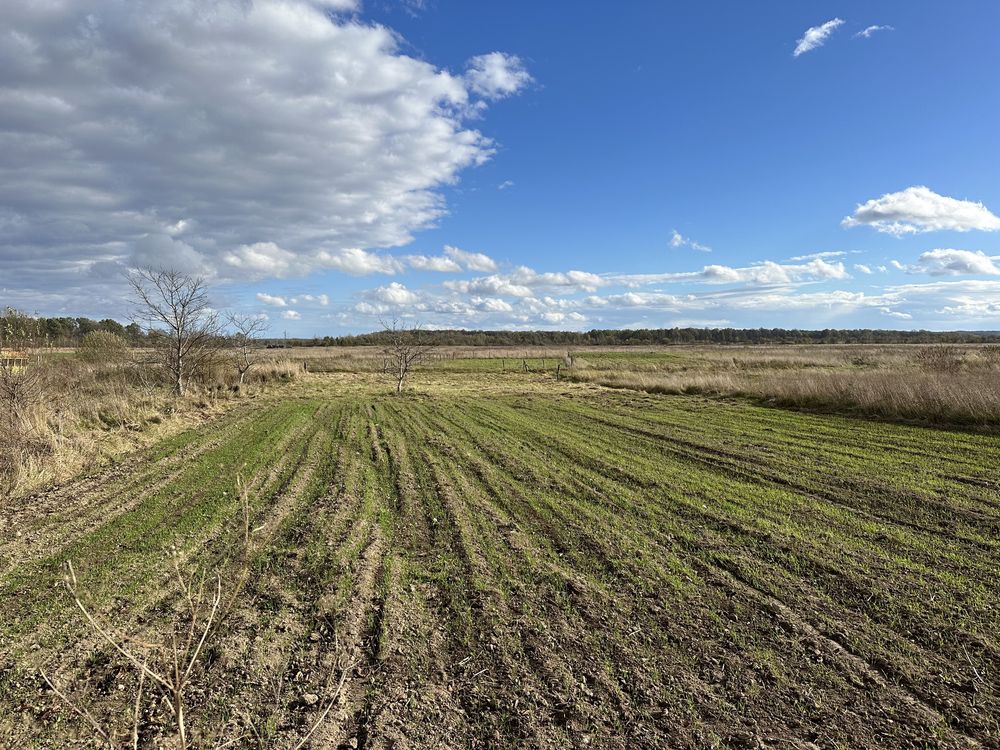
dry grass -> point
(946, 385)
(80, 413)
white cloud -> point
(319, 299)
(898, 314)
(270, 299)
(948, 262)
(862, 268)
(969, 299)
(492, 304)
(972, 308)
(291, 315)
(505, 184)
(766, 273)
(394, 294)
(867, 32)
(679, 240)
(824, 254)
(816, 36)
(496, 75)
(920, 209)
(432, 263)
(358, 262)
(265, 139)
(262, 260)
(469, 260)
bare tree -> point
(245, 341)
(178, 304)
(403, 350)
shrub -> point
(103, 348)
(940, 358)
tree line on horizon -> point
(70, 331)
(660, 336)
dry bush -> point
(103, 348)
(941, 358)
(990, 355)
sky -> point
(517, 165)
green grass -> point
(540, 562)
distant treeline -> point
(660, 336)
(27, 329)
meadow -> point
(497, 558)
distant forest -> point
(68, 331)
(35, 331)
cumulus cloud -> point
(470, 261)
(862, 268)
(949, 262)
(816, 36)
(317, 299)
(432, 263)
(394, 294)
(291, 315)
(868, 31)
(242, 140)
(920, 209)
(496, 75)
(270, 299)
(679, 240)
(524, 282)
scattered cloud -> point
(523, 281)
(273, 301)
(862, 268)
(437, 263)
(816, 36)
(505, 184)
(470, 261)
(867, 32)
(394, 294)
(291, 315)
(496, 75)
(949, 262)
(679, 240)
(766, 273)
(824, 254)
(920, 209)
(318, 299)
(899, 314)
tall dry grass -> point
(942, 385)
(81, 412)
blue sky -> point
(560, 165)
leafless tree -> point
(178, 305)
(245, 341)
(402, 351)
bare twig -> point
(80, 711)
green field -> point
(502, 560)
